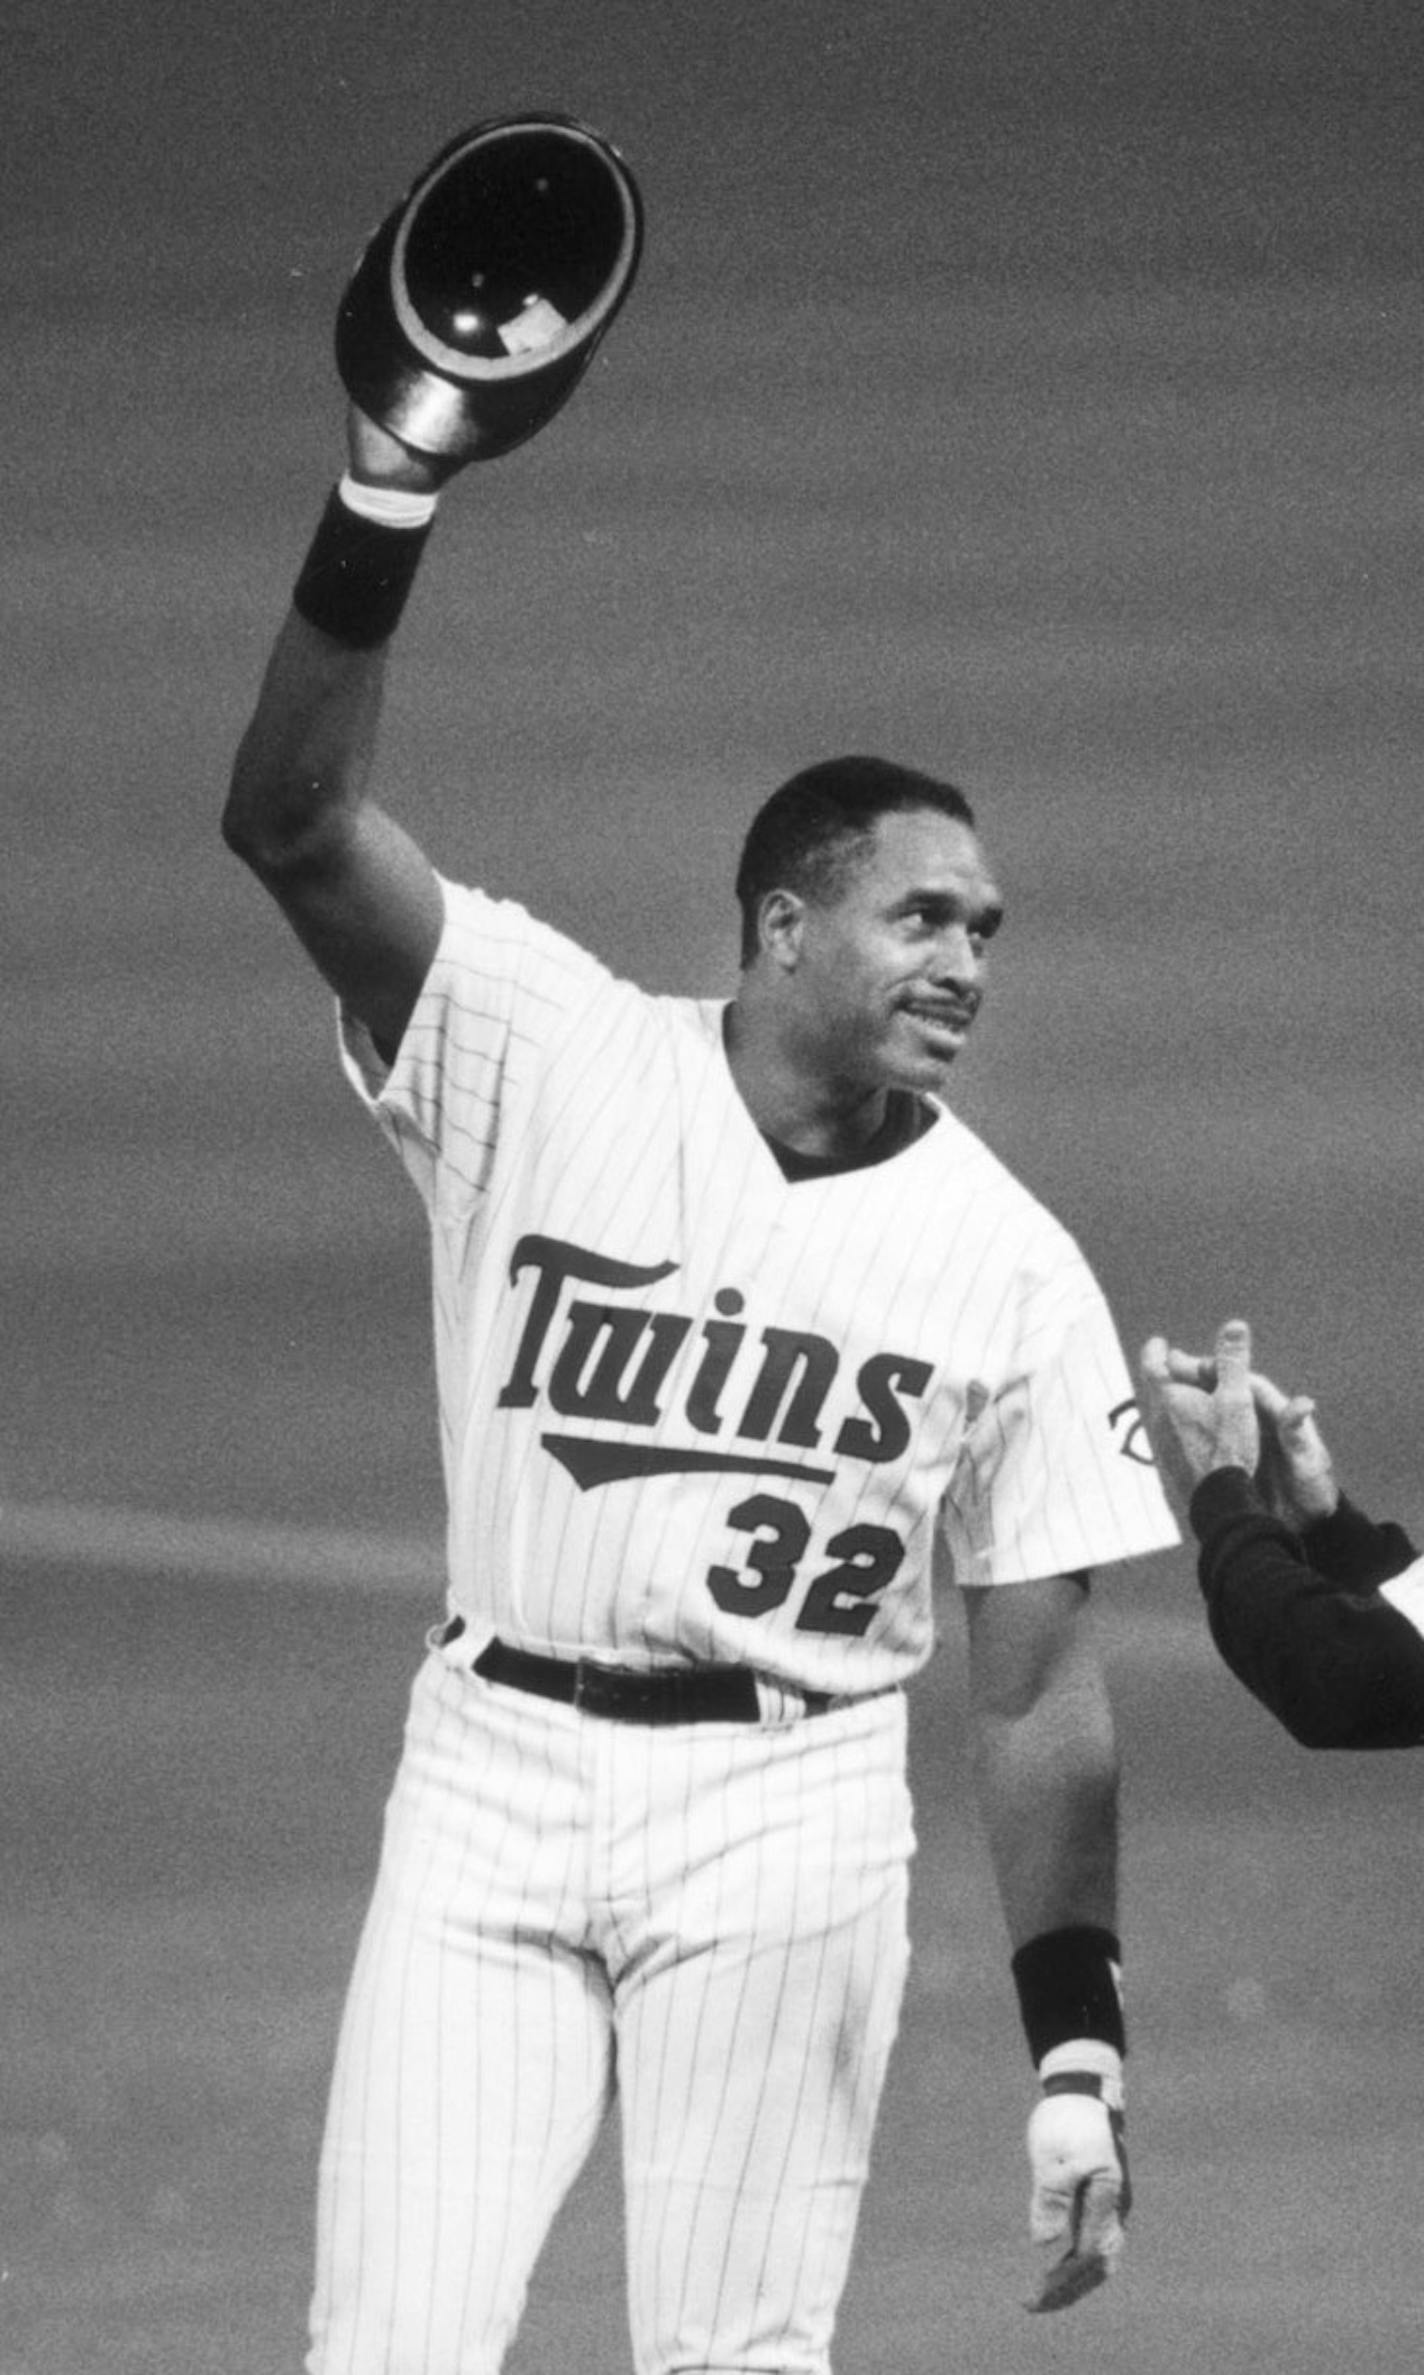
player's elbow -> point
(240, 834)
(267, 854)
(246, 823)
(1064, 1738)
(279, 831)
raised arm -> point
(360, 895)
(448, 334)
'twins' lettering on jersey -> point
(597, 1360)
(614, 1361)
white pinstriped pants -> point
(721, 1908)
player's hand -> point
(380, 460)
(1200, 1415)
(1081, 2192)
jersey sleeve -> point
(1055, 1474)
(501, 992)
(1340, 1665)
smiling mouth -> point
(940, 1017)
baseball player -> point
(1319, 1611)
(738, 1332)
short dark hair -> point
(808, 835)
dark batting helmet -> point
(477, 304)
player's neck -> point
(796, 1107)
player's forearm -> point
(1048, 1787)
(304, 764)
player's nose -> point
(959, 959)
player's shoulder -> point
(991, 1217)
(700, 1020)
(958, 1154)
(488, 938)
(484, 932)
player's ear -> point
(781, 925)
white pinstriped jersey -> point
(692, 1412)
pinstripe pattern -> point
(474, 2064)
(534, 1095)
(725, 1906)
(756, 2012)
(688, 1413)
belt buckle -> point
(622, 1694)
(597, 1687)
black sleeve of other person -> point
(1299, 1619)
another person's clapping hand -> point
(1296, 1474)
(1200, 1414)
(1204, 1412)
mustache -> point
(960, 1008)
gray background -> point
(1029, 393)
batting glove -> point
(1081, 2192)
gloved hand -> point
(1081, 2192)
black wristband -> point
(1069, 1987)
(356, 576)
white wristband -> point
(389, 507)
(1092, 2055)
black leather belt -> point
(669, 1695)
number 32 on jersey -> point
(840, 1598)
